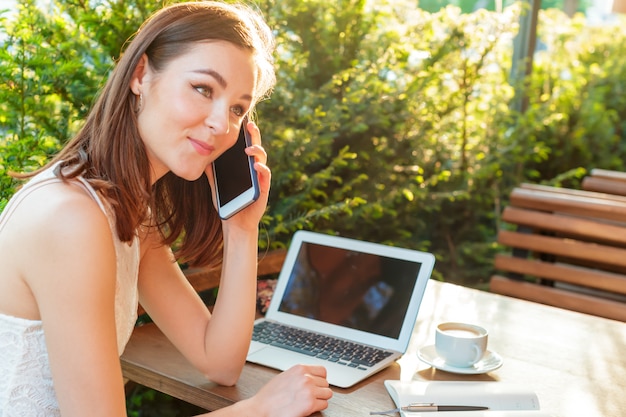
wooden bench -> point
(143, 372)
(568, 249)
(205, 279)
(605, 181)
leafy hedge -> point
(388, 123)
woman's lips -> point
(201, 147)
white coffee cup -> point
(460, 344)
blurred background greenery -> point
(390, 123)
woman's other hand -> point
(300, 391)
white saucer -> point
(490, 362)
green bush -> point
(388, 123)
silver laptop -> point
(346, 304)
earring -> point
(139, 102)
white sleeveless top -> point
(26, 387)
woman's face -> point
(192, 110)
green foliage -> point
(146, 402)
(468, 6)
(389, 123)
(54, 62)
(577, 107)
(416, 116)
(36, 102)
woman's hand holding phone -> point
(240, 177)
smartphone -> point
(236, 181)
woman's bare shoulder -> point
(53, 235)
(56, 206)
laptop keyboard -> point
(323, 347)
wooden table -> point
(576, 363)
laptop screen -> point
(362, 291)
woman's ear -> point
(136, 81)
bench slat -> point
(582, 205)
(569, 248)
(576, 275)
(206, 278)
(608, 174)
(559, 298)
(604, 185)
(572, 192)
(203, 279)
(567, 225)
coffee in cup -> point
(460, 344)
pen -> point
(418, 407)
(434, 407)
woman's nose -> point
(218, 121)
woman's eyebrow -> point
(220, 80)
(218, 77)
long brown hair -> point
(110, 154)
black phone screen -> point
(232, 171)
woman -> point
(88, 236)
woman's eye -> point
(204, 90)
(238, 111)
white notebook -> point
(365, 294)
(502, 399)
